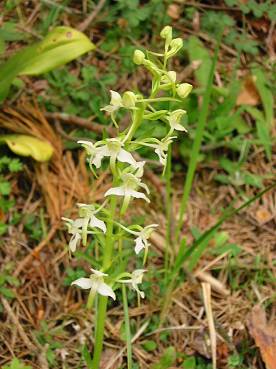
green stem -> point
(168, 210)
(102, 301)
(101, 314)
(157, 99)
(127, 328)
(109, 234)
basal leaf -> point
(24, 145)
(59, 47)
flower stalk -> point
(105, 224)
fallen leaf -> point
(264, 335)
(110, 355)
(263, 215)
(174, 11)
(249, 94)
(25, 145)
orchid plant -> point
(106, 223)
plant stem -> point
(168, 210)
(102, 301)
(101, 314)
(127, 328)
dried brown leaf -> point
(248, 94)
(174, 11)
(264, 335)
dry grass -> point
(41, 268)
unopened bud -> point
(167, 33)
(172, 76)
(152, 68)
(183, 90)
(175, 46)
(167, 80)
(138, 57)
(129, 99)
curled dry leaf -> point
(264, 335)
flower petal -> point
(95, 222)
(136, 194)
(117, 191)
(110, 108)
(84, 283)
(179, 127)
(78, 223)
(139, 245)
(100, 153)
(126, 157)
(75, 239)
(105, 290)
(116, 98)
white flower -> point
(141, 242)
(96, 284)
(116, 102)
(161, 149)
(74, 228)
(129, 187)
(90, 149)
(113, 148)
(135, 279)
(87, 213)
(174, 119)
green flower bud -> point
(138, 57)
(170, 77)
(129, 99)
(167, 33)
(152, 68)
(183, 90)
(175, 45)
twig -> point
(19, 327)
(215, 283)
(81, 122)
(206, 287)
(82, 26)
(36, 250)
(134, 338)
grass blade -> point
(197, 143)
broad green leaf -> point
(59, 47)
(198, 53)
(24, 145)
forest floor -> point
(43, 320)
